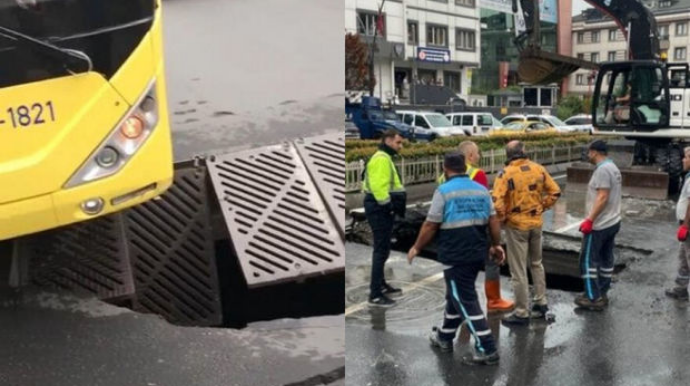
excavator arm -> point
(536, 66)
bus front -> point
(84, 125)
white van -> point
(473, 122)
(436, 123)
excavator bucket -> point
(543, 71)
(542, 67)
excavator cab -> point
(631, 97)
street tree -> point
(357, 64)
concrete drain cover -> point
(419, 302)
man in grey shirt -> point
(603, 211)
(680, 290)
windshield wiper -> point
(74, 61)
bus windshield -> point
(107, 31)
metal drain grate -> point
(278, 223)
(90, 256)
(173, 254)
(324, 157)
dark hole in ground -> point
(318, 296)
(570, 283)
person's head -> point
(471, 152)
(515, 149)
(686, 159)
(392, 139)
(597, 151)
(454, 164)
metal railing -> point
(424, 170)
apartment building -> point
(597, 38)
(424, 41)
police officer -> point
(384, 198)
(599, 228)
(523, 190)
(461, 211)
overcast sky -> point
(579, 5)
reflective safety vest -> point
(471, 172)
(381, 178)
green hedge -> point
(361, 149)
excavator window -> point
(632, 96)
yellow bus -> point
(84, 127)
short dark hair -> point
(515, 149)
(390, 133)
(455, 162)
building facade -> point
(419, 41)
(597, 38)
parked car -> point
(581, 120)
(551, 120)
(473, 122)
(435, 123)
(521, 127)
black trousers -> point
(596, 261)
(380, 218)
(462, 305)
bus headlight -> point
(123, 141)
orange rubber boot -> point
(493, 297)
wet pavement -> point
(240, 74)
(64, 339)
(243, 73)
(642, 339)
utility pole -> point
(373, 48)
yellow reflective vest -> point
(471, 172)
(381, 178)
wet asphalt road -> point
(240, 74)
(244, 73)
(68, 340)
(642, 339)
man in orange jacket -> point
(522, 192)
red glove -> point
(682, 233)
(586, 226)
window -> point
(437, 35)
(579, 79)
(466, 3)
(612, 56)
(419, 121)
(464, 40)
(467, 120)
(663, 32)
(595, 57)
(580, 37)
(581, 56)
(456, 120)
(366, 24)
(681, 29)
(412, 33)
(664, 3)
(595, 36)
(680, 53)
(612, 35)
(408, 119)
(452, 80)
